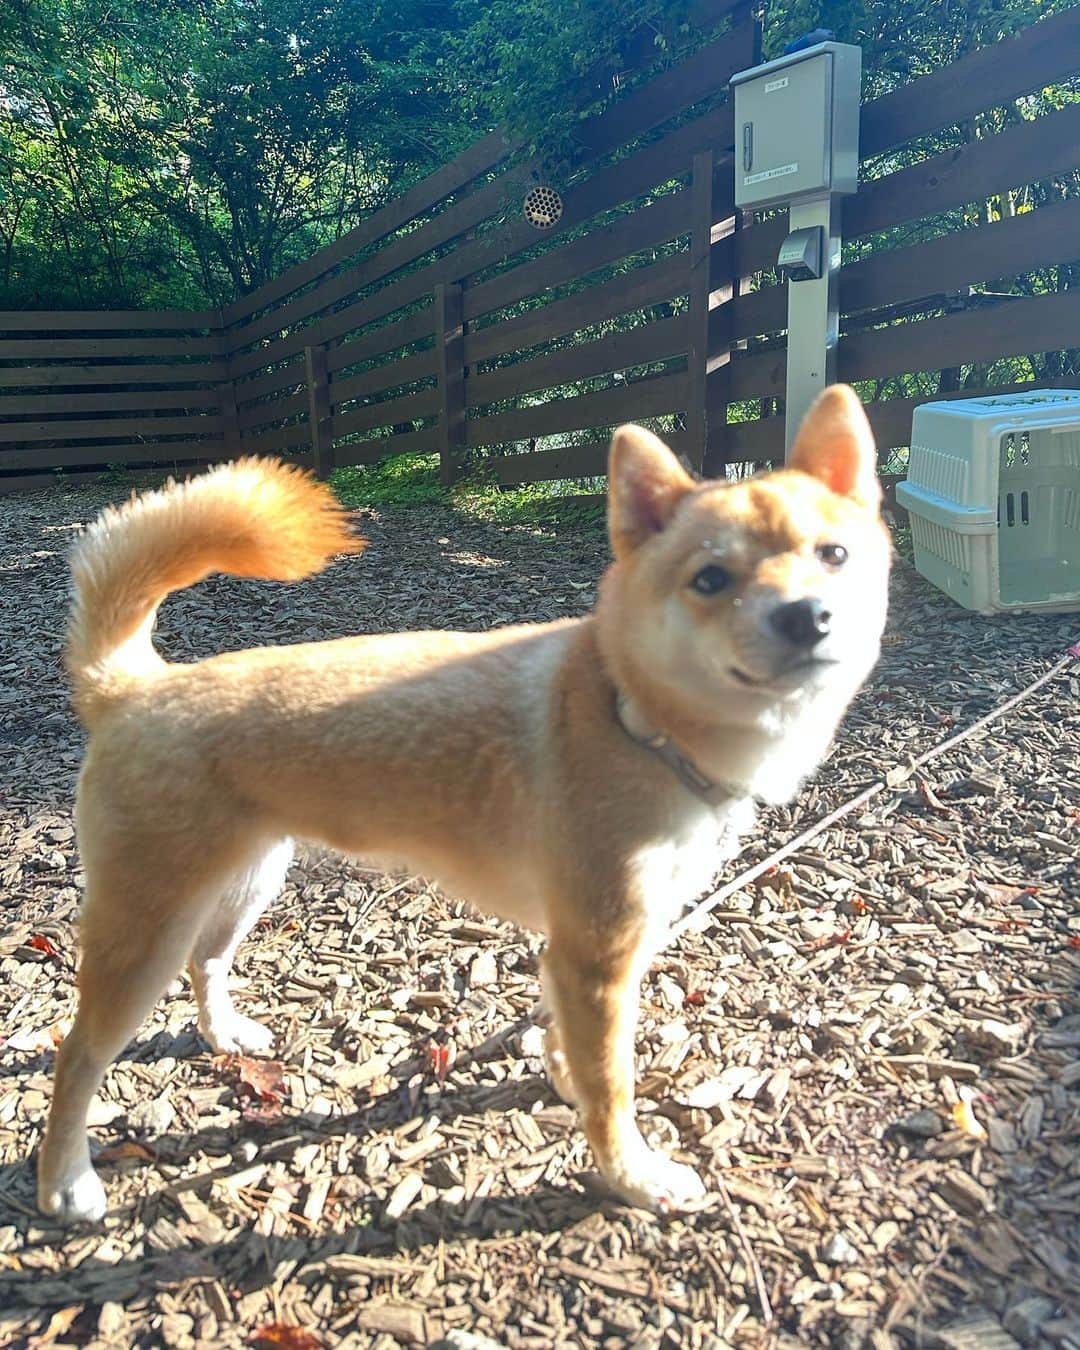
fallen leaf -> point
(439, 1058)
(830, 940)
(261, 1078)
(285, 1337)
(126, 1149)
(41, 943)
(59, 1323)
(930, 799)
(260, 1113)
(261, 1086)
(964, 1116)
(1004, 895)
(32, 1042)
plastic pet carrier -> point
(993, 490)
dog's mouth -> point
(798, 669)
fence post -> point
(697, 351)
(725, 289)
(230, 422)
(450, 356)
(318, 383)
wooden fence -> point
(446, 323)
(84, 389)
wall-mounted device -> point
(797, 143)
(797, 126)
(802, 254)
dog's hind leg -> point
(143, 907)
(224, 928)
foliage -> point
(539, 67)
(900, 42)
(413, 480)
(177, 153)
(166, 153)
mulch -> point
(871, 1054)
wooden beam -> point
(1041, 54)
(697, 352)
(606, 407)
(319, 426)
(660, 340)
(450, 369)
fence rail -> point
(445, 323)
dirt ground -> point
(871, 1054)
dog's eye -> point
(832, 555)
(711, 579)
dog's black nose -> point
(802, 622)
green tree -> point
(189, 152)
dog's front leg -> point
(594, 996)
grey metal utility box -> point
(797, 126)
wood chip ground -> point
(871, 1055)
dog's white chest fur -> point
(674, 872)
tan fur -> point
(493, 762)
(252, 518)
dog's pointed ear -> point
(645, 485)
(836, 446)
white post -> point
(813, 315)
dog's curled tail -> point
(250, 518)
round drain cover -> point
(543, 207)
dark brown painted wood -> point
(107, 320)
(1042, 54)
(132, 452)
(71, 376)
(572, 461)
(660, 340)
(724, 286)
(387, 413)
(230, 425)
(70, 349)
(450, 370)
(107, 428)
(937, 267)
(697, 355)
(1041, 323)
(378, 448)
(622, 295)
(646, 228)
(381, 379)
(319, 423)
(642, 398)
(42, 406)
(273, 410)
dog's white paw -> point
(232, 1033)
(651, 1180)
(76, 1199)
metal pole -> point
(813, 316)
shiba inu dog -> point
(584, 778)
